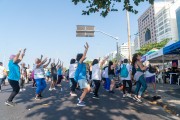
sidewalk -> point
(170, 97)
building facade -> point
(165, 22)
(146, 22)
(124, 50)
(136, 44)
(178, 21)
(146, 27)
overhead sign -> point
(85, 31)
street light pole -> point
(88, 31)
(117, 42)
(129, 35)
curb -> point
(165, 105)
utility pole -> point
(129, 35)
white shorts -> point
(83, 83)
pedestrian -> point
(150, 76)
(80, 75)
(111, 75)
(139, 77)
(60, 73)
(53, 75)
(125, 74)
(104, 77)
(14, 75)
(72, 69)
(108, 81)
(96, 75)
(32, 77)
(23, 76)
(39, 76)
(48, 75)
(3, 74)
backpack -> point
(124, 72)
(78, 71)
(133, 70)
(152, 69)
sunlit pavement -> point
(58, 105)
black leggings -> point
(34, 82)
(60, 77)
(74, 84)
(22, 82)
(15, 86)
(1, 81)
(124, 86)
(97, 84)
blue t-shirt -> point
(80, 73)
(59, 72)
(14, 71)
(48, 73)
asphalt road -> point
(59, 105)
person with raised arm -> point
(80, 75)
(96, 75)
(39, 76)
(111, 75)
(14, 75)
(3, 74)
(60, 73)
(53, 75)
(72, 69)
(139, 77)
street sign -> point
(85, 31)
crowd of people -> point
(89, 78)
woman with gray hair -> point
(14, 75)
(39, 76)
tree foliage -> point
(150, 46)
(106, 6)
(88, 62)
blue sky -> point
(48, 27)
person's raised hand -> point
(24, 50)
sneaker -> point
(10, 103)
(37, 98)
(95, 97)
(73, 94)
(80, 104)
(111, 92)
(124, 95)
(137, 99)
(40, 96)
(23, 89)
(54, 88)
(81, 101)
(50, 89)
(129, 95)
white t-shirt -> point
(129, 68)
(72, 69)
(2, 69)
(39, 72)
(148, 74)
(96, 72)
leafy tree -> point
(150, 46)
(106, 6)
(88, 62)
